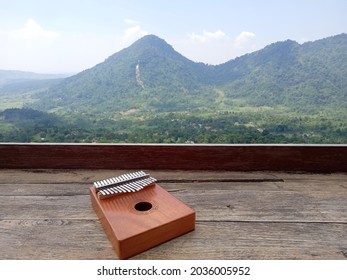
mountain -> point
(286, 73)
(13, 76)
(14, 83)
(150, 76)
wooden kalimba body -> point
(137, 214)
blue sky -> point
(70, 36)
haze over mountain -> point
(17, 82)
(14, 76)
(151, 76)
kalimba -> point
(137, 214)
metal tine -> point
(117, 179)
(135, 186)
(125, 183)
(140, 174)
(132, 186)
(106, 191)
(124, 188)
(104, 182)
(139, 184)
(123, 178)
(145, 182)
(128, 187)
(120, 179)
(149, 180)
(128, 178)
(115, 190)
(103, 193)
(134, 175)
(99, 183)
(109, 192)
(112, 180)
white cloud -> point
(133, 33)
(243, 38)
(216, 47)
(35, 48)
(131, 21)
(30, 48)
(32, 30)
(207, 36)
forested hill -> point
(149, 93)
(311, 75)
(150, 76)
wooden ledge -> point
(288, 158)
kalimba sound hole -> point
(143, 206)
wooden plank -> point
(238, 240)
(60, 176)
(267, 202)
(32, 176)
(47, 214)
(33, 190)
(85, 239)
(46, 207)
(312, 183)
(53, 239)
(311, 158)
(235, 201)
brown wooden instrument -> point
(137, 214)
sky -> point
(69, 36)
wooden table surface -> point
(47, 214)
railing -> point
(289, 158)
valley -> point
(149, 93)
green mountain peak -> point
(150, 75)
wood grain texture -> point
(310, 158)
(239, 240)
(86, 239)
(235, 201)
(37, 238)
(47, 214)
(59, 176)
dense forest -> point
(28, 125)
